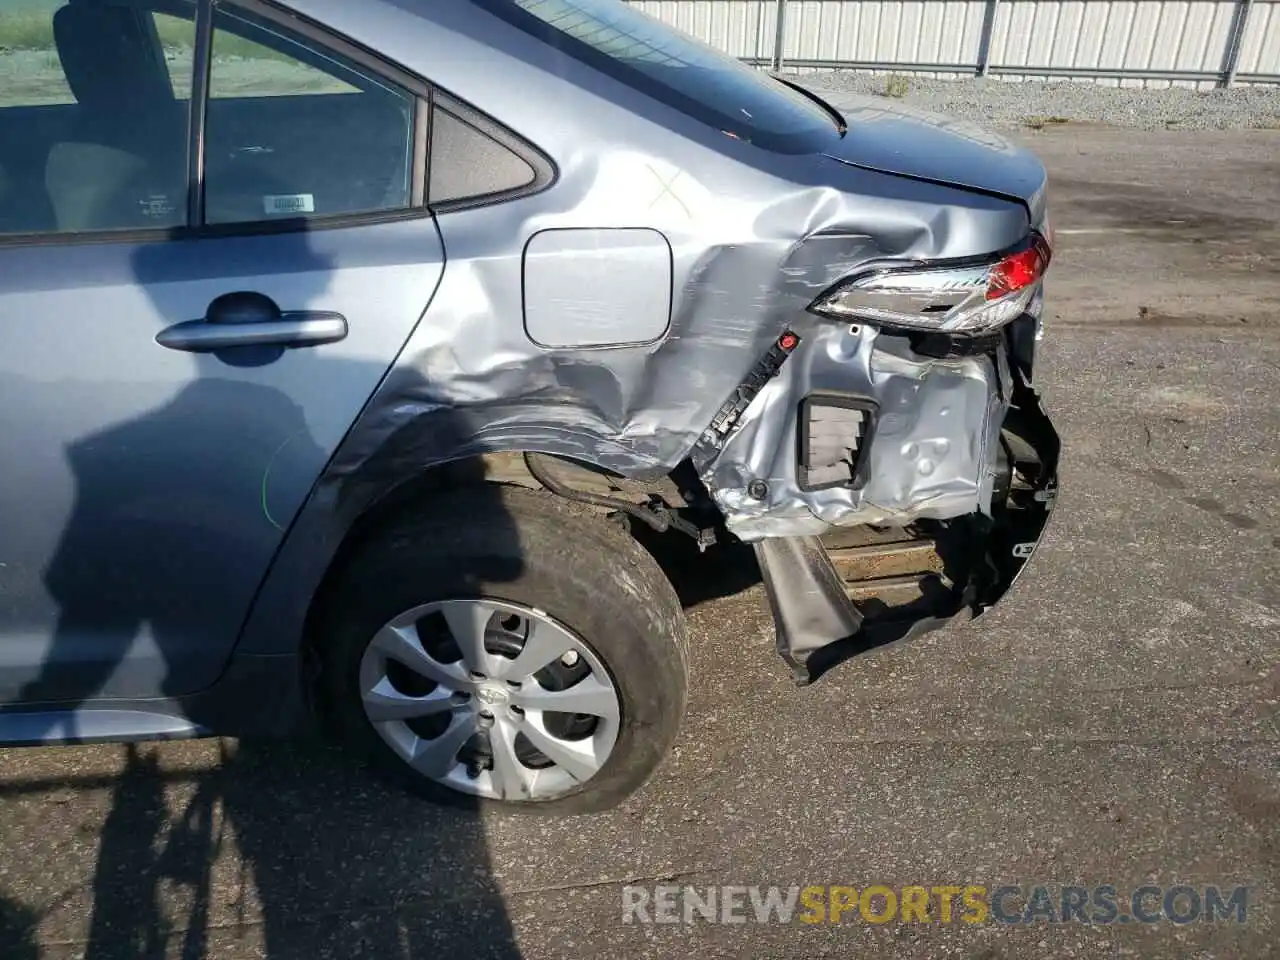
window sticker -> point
(293, 204)
(156, 207)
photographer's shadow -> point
(285, 847)
(327, 860)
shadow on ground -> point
(18, 930)
(283, 846)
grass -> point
(1039, 123)
(33, 30)
(31, 72)
(897, 86)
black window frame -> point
(545, 172)
(430, 98)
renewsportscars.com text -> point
(964, 903)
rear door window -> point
(294, 130)
(676, 69)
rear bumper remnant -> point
(819, 624)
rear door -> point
(178, 366)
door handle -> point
(252, 320)
(301, 329)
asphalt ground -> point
(1113, 721)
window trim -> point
(421, 160)
(198, 111)
(309, 29)
(430, 96)
(545, 172)
(135, 236)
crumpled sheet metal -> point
(747, 262)
(932, 453)
(754, 237)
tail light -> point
(965, 299)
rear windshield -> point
(676, 69)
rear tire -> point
(548, 573)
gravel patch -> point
(1035, 104)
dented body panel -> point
(753, 236)
(598, 241)
(931, 455)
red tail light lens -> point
(1019, 270)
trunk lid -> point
(891, 137)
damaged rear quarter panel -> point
(754, 238)
(931, 455)
(748, 257)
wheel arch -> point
(413, 491)
(358, 495)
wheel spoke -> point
(384, 702)
(439, 756)
(576, 757)
(469, 622)
(512, 779)
(401, 643)
(544, 644)
(588, 696)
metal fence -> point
(1143, 42)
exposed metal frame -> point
(862, 462)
